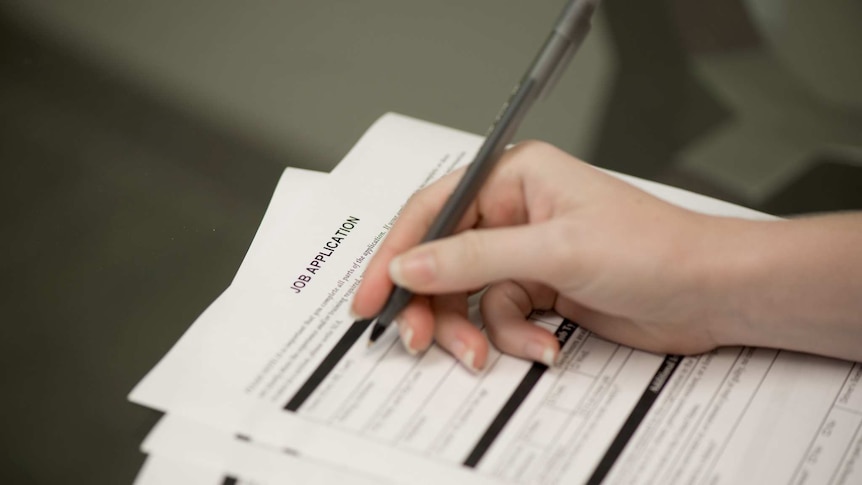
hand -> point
(545, 232)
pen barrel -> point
(574, 21)
(568, 33)
(495, 143)
(564, 40)
(398, 299)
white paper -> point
(203, 447)
(721, 418)
(165, 470)
(191, 453)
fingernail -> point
(412, 269)
(353, 315)
(467, 359)
(465, 355)
(406, 333)
(540, 353)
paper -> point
(277, 360)
(207, 454)
(216, 454)
(161, 470)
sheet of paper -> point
(196, 441)
(214, 453)
(715, 411)
(279, 361)
(195, 339)
(294, 187)
(164, 470)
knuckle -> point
(503, 212)
(533, 146)
(559, 253)
(530, 150)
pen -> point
(565, 38)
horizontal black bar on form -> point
(661, 377)
(329, 362)
(563, 332)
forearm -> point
(793, 284)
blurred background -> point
(141, 142)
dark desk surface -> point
(122, 219)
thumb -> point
(475, 258)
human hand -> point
(546, 231)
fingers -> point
(504, 310)
(502, 201)
(416, 325)
(455, 333)
(505, 307)
(443, 319)
(505, 248)
(416, 217)
(472, 259)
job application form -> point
(278, 362)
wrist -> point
(725, 266)
(789, 284)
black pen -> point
(566, 37)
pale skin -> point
(548, 231)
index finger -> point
(416, 217)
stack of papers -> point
(274, 382)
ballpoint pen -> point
(565, 38)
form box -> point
(850, 397)
(592, 357)
(569, 391)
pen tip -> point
(376, 332)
